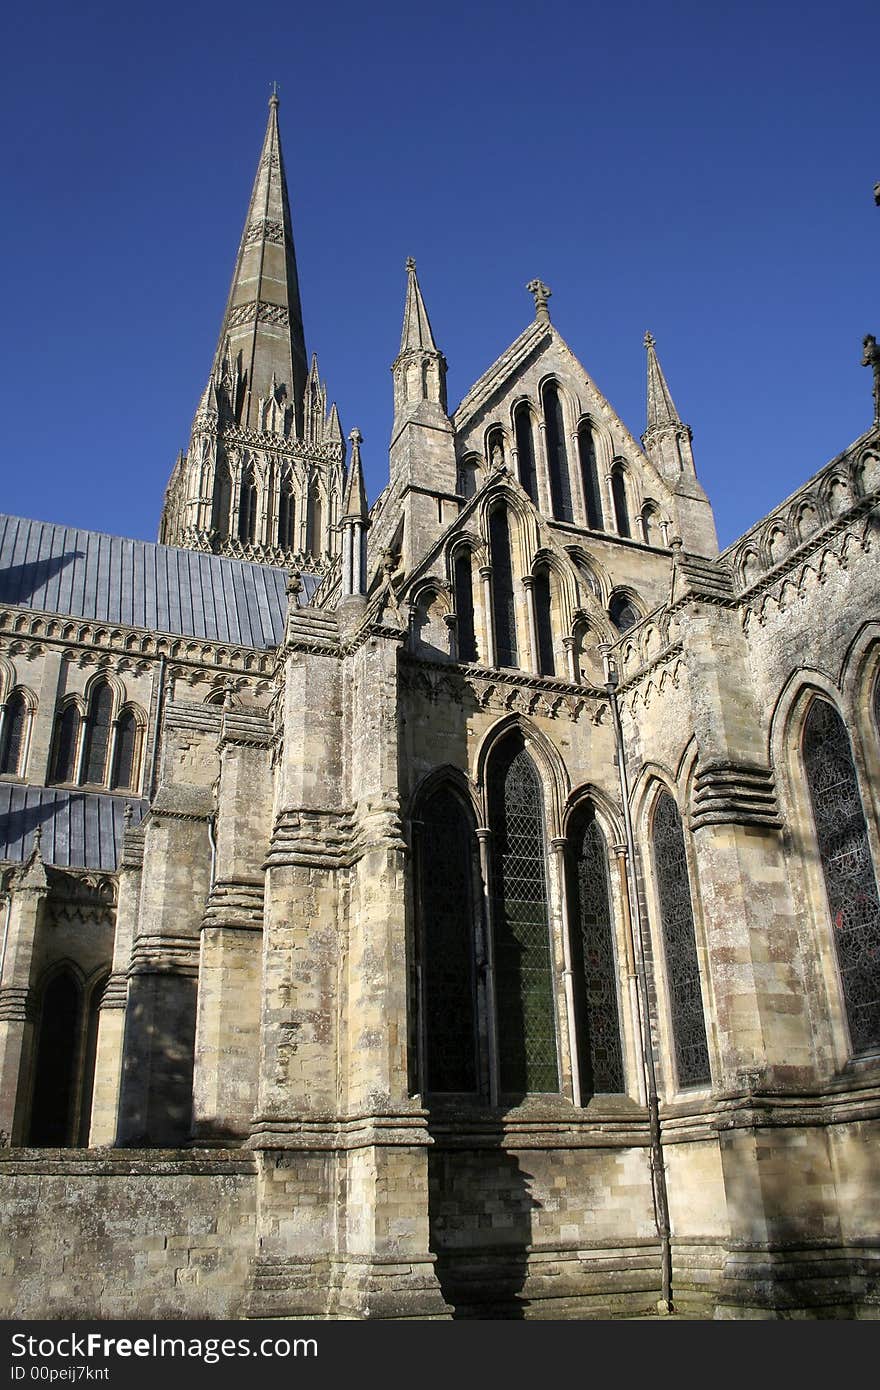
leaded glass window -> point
(13, 735)
(98, 733)
(503, 609)
(590, 478)
(850, 882)
(621, 506)
(544, 623)
(126, 740)
(593, 962)
(446, 867)
(464, 607)
(66, 738)
(525, 450)
(523, 971)
(247, 509)
(285, 515)
(680, 946)
(557, 457)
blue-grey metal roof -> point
(85, 574)
(80, 830)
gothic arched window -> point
(523, 970)
(503, 607)
(680, 945)
(124, 771)
(14, 726)
(58, 1040)
(314, 520)
(98, 733)
(247, 508)
(222, 499)
(557, 457)
(286, 515)
(525, 450)
(590, 477)
(621, 507)
(495, 447)
(467, 476)
(623, 612)
(464, 606)
(448, 904)
(650, 524)
(850, 881)
(595, 972)
(65, 743)
(544, 622)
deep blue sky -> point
(703, 171)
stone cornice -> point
(514, 691)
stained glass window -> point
(590, 478)
(98, 733)
(525, 450)
(66, 737)
(523, 973)
(680, 946)
(503, 610)
(464, 607)
(557, 457)
(850, 882)
(13, 735)
(593, 964)
(446, 864)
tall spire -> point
(416, 332)
(661, 407)
(260, 362)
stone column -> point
(528, 583)
(487, 654)
(111, 1015)
(225, 1073)
(23, 912)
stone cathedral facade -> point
(464, 905)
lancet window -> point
(525, 450)
(621, 506)
(127, 737)
(66, 743)
(97, 738)
(247, 508)
(847, 867)
(523, 975)
(557, 457)
(680, 945)
(597, 1015)
(222, 499)
(464, 606)
(543, 601)
(447, 899)
(315, 521)
(503, 607)
(590, 477)
(623, 612)
(65, 1062)
(12, 739)
(286, 515)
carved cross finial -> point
(356, 437)
(649, 340)
(410, 264)
(273, 100)
(871, 358)
(541, 294)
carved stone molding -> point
(235, 903)
(728, 793)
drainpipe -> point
(658, 1170)
(154, 751)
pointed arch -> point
(65, 742)
(557, 455)
(543, 601)
(590, 483)
(99, 721)
(130, 731)
(53, 1106)
(286, 515)
(221, 507)
(463, 584)
(503, 602)
(524, 434)
(315, 520)
(497, 450)
(17, 718)
(620, 500)
(247, 507)
(526, 1022)
(547, 758)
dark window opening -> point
(525, 451)
(557, 456)
(680, 946)
(503, 607)
(600, 1056)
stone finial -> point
(411, 264)
(38, 840)
(294, 583)
(871, 358)
(649, 340)
(877, 194)
(357, 440)
(273, 99)
(541, 293)
(127, 814)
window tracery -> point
(680, 945)
(600, 1055)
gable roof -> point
(113, 579)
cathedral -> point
(460, 906)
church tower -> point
(264, 473)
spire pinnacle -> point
(661, 407)
(262, 330)
(354, 505)
(416, 324)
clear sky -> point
(704, 171)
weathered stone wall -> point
(151, 1234)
